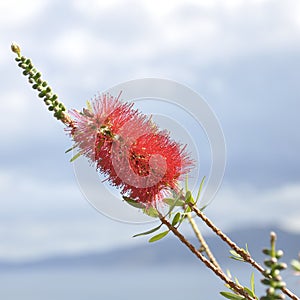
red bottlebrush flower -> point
(105, 116)
(130, 150)
(160, 164)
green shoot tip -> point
(16, 49)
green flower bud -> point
(47, 102)
(266, 281)
(277, 278)
(270, 262)
(271, 291)
(280, 266)
(279, 253)
(55, 96)
(279, 285)
(266, 251)
(279, 296)
(37, 75)
(42, 93)
(16, 49)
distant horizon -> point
(142, 244)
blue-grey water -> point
(170, 282)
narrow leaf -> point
(231, 296)
(203, 207)
(176, 219)
(295, 265)
(236, 281)
(159, 236)
(200, 189)
(228, 273)
(188, 197)
(75, 157)
(70, 149)
(169, 201)
(249, 292)
(186, 182)
(151, 212)
(133, 202)
(148, 232)
(235, 256)
(252, 282)
(175, 202)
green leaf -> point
(228, 273)
(200, 189)
(235, 256)
(189, 198)
(247, 250)
(236, 281)
(148, 232)
(169, 201)
(173, 202)
(134, 203)
(151, 212)
(295, 265)
(159, 236)
(252, 282)
(75, 157)
(249, 292)
(70, 149)
(176, 219)
(186, 183)
(231, 296)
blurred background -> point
(241, 56)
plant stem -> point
(44, 90)
(235, 287)
(202, 241)
(246, 256)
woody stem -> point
(245, 255)
(237, 288)
(202, 241)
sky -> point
(242, 57)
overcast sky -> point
(241, 56)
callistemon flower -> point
(127, 147)
(104, 116)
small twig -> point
(202, 241)
(289, 293)
(42, 87)
(237, 288)
(246, 256)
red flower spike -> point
(107, 113)
(130, 150)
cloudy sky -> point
(243, 57)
